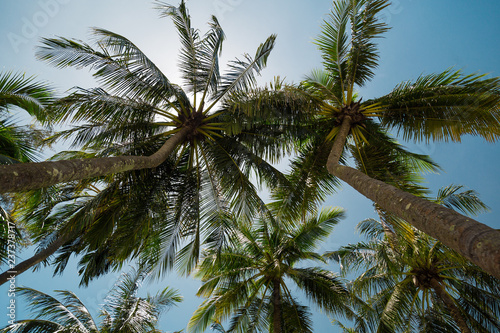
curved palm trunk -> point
(29, 176)
(37, 258)
(474, 240)
(450, 304)
(276, 306)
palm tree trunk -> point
(28, 176)
(474, 240)
(37, 258)
(450, 304)
(339, 142)
(276, 306)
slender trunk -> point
(339, 142)
(37, 258)
(28, 176)
(474, 240)
(276, 306)
(450, 304)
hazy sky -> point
(427, 36)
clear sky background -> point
(427, 36)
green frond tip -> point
(240, 278)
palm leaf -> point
(112, 70)
(19, 144)
(333, 44)
(465, 201)
(190, 41)
(24, 92)
(241, 74)
(36, 326)
(51, 309)
(211, 47)
(365, 26)
(443, 106)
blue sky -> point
(427, 36)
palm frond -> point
(190, 41)
(139, 65)
(19, 144)
(26, 93)
(324, 288)
(365, 27)
(444, 106)
(49, 308)
(333, 44)
(211, 47)
(241, 74)
(466, 201)
(314, 229)
(112, 70)
(324, 86)
(307, 185)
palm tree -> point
(415, 283)
(247, 280)
(137, 97)
(212, 166)
(123, 310)
(439, 107)
(145, 215)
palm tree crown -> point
(439, 107)
(247, 281)
(195, 165)
(415, 283)
(137, 104)
(123, 310)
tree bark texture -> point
(450, 304)
(339, 142)
(474, 240)
(276, 306)
(28, 176)
(37, 258)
